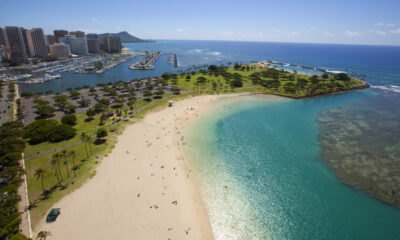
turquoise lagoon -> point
(268, 154)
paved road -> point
(5, 114)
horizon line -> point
(265, 41)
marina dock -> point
(147, 63)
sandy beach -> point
(144, 189)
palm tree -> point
(42, 235)
(39, 173)
(66, 166)
(73, 154)
(75, 168)
(64, 154)
(54, 165)
(88, 141)
(83, 139)
(56, 158)
(59, 156)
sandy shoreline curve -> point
(144, 189)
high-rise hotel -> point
(37, 43)
(16, 44)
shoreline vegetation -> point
(65, 167)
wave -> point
(391, 88)
(335, 72)
(215, 53)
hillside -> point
(127, 38)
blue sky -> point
(323, 21)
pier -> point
(175, 61)
(172, 59)
(147, 63)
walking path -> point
(23, 205)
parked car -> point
(53, 214)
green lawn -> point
(89, 128)
(87, 168)
(222, 86)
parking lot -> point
(5, 105)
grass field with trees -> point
(69, 164)
(249, 78)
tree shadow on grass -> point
(46, 195)
(99, 141)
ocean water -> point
(268, 154)
(378, 63)
(361, 142)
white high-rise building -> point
(77, 46)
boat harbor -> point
(147, 63)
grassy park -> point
(43, 197)
(250, 78)
(55, 169)
(41, 200)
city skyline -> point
(356, 22)
(19, 45)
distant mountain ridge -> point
(127, 38)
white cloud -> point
(379, 32)
(313, 28)
(395, 31)
(94, 19)
(386, 24)
(276, 30)
(351, 34)
(329, 34)
(151, 33)
(292, 34)
(179, 30)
